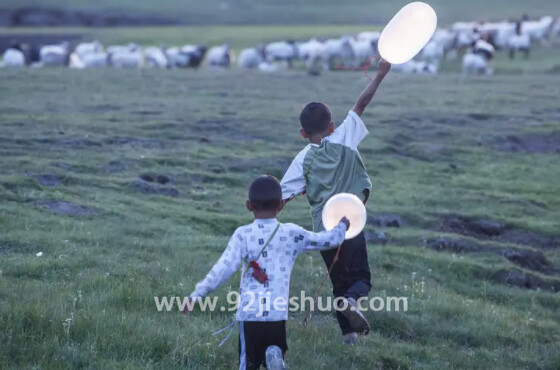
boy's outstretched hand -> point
(189, 306)
(384, 67)
(346, 222)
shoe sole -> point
(275, 360)
(358, 322)
(350, 342)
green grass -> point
(88, 301)
(299, 11)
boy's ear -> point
(280, 206)
(331, 127)
(249, 206)
(303, 133)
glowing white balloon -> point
(345, 204)
(407, 33)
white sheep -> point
(448, 41)
(432, 53)
(75, 62)
(187, 56)
(363, 49)
(220, 56)
(13, 57)
(499, 31)
(267, 67)
(539, 30)
(126, 57)
(251, 57)
(519, 41)
(477, 59)
(415, 67)
(369, 35)
(556, 27)
(156, 57)
(281, 51)
(339, 50)
(96, 60)
(88, 47)
(114, 49)
(313, 52)
(55, 55)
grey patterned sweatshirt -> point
(256, 299)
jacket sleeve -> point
(293, 181)
(322, 240)
(222, 270)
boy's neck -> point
(318, 138)
(263, 215)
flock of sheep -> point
(479, 42)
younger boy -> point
(272, 248)
(328, 165)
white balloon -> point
(341, 205)
(407, 33)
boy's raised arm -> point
(369, 91)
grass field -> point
(469, 168)
(297, 11)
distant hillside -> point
(288, 12)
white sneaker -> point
(274, 358)
(350, 338)
(352, 313)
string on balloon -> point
(370, 62)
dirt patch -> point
(223, 130)
(453, 245)
(526, 258)
(116, 166)
(148, 112)
(65, 166)
(149, 188)
(537, 143)
(66, 208)
(472, 227)
(385, 220)
(377, 237)
(150, 177)
(400, 152)
(271, 166)
(11, 247)
(529, 259)
(495, 230)
(49, 180)
(135, 142)
(524, 280)
(51, 143)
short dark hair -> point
(265, 193)
(315, 118)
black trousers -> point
(350, 275)
(255, 337)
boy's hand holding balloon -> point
(384, 67)
(346, 222)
